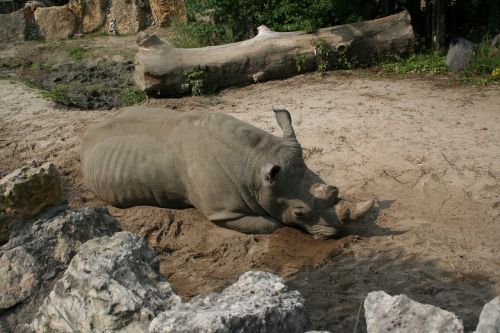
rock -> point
(25, 192)
(459, 54)
(495, 42)
(385, 313)
(111, 285)
(19, 276)
(57, 22)
(165, 10)
(12, 27)
(489, 320)
(257, 302)
(131, 15)
(38, 253)
(92, 14)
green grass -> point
(78, 53)
(131, 96)
(61, 95)
(424, 63)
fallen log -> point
(166, 71)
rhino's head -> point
(290, 192)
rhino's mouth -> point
(322, 230)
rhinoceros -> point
(237, 175)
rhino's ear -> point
(270, 173)
(285, 121)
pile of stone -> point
(65, 270)
(86, 16)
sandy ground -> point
(427, 151)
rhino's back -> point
(169, 159)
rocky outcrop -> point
(131, 16)
(459, 54)
(12, 27)
(25, 192)
(165, 10)
(489, 320)
(111, 285)
(56, 22)
(399, 314)
(257, 302)
(92, 14)
(39, 253)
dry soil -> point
(429, 152)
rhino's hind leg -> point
(251, 224)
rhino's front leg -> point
(250, 224)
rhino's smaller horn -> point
(285, 122)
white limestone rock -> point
(400, 314)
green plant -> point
(194, 80)
(424, 63)
(200, 34)
(60, 95)
(323, 53)
(300, 60)
(481, 67)
(78, 52)
(131, 95)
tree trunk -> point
(166, 71)
(439, 26)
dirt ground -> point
(427, 150)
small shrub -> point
(323, 53)
(484, 66)
(60, 95)
(78, 52)
(131, 96)
(200, 34)
(194, 80)
(300, 60)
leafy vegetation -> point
(78, 52)
(424, 63)
(199, 34)
(61, 95)
(131, 95)
(194, 81)
(300, 60)
(484, 67)
(323, 53)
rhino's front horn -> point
(360, 209)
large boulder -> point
(489, 320)
(12, 27)
(165, 10)
(92, 14)
(25, 192)
(111, 285)
(39, 253)
(131, 15)
(257, 302)
(400, 314)
(459, 54)
(57, 22)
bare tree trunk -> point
(166, 71)
(439, 26)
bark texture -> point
(165, 71)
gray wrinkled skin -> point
(239, 176)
